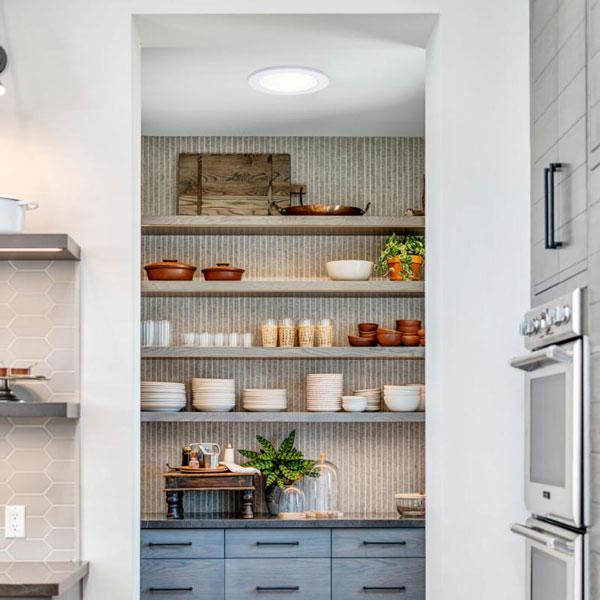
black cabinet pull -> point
(277, 543)
(170, 544)
(551, 243)
(188, 589)
(384, 543)
(291, 588)
(401, 588)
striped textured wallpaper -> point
(386, 171)
(375, 460)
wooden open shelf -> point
(405, 352)
(279, 225)
(282, 288)
(283, 417)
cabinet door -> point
(593, 58)
(558, 135)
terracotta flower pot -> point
(399, 272)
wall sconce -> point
(3, 61)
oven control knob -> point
(559, 313)
(533, 326)
(543, 326)
(567, 310)
(523, 328)
(551, 316)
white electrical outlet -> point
(14, 521)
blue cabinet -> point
(304, 563)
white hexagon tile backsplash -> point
(39, 465)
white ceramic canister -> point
(12, 214)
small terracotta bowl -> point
(367, 334)
(408, 323)
(389, 337)
(410, 340)
(368, 326)
(359, 341)
(422, 342)
(408, 330)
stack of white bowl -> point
(402, 398)
(162, 396)
(264, 400)
(324, 392)
(354, 403)
(373, 397)
(214, 395)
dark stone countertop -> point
(230, 521)
(40, 579)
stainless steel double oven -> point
(556, 449)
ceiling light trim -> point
(284, 84)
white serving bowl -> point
(349, 270)
(402, 404)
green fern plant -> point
(281, 467)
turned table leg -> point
(174, 505)
(247, 502)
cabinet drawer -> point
(278, 579)
(182, 543)
(375, 543)
(277, 543)
(186, 579)
(372, 578)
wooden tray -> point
(220, 469)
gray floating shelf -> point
(283, 417)
(399, 352)
(282, 288)
(66, 410)
(38, 246)
(279, 225)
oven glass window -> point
(548, 576)
(548, 406)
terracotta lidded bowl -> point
(170, 270)
(222, 272)
(354, 340)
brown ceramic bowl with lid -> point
(170, 269)
(222, 272)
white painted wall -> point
(66, 140)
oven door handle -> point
(550, 541)
(540, 358)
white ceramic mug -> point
(12, 214)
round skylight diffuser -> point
(288, 81)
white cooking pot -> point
(12, 214)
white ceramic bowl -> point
(349, 270)
(404, 404)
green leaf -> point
(287, 444)
(249, 454)
(271, 479)
(266, 444)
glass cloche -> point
(292, 503)
(322, 489)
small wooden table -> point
(176, 483)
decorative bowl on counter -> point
(389, 337)
(411, 506)
(349, 270)
(170, 270)
(222, 272)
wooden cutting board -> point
(233, 184)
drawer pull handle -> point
(151, 544)
(401, 588)
(292, 588)
(188, 589)
(277, 543)
(384, 543)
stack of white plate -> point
(324, 392)
(162, 396)
(373, 397)
(265, 400)
(402, 398)
(214, 395)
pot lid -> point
(8, 198)
(169, 262)
(223, 267)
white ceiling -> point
(195, 69)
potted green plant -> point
(280, 467)
(402, 257)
